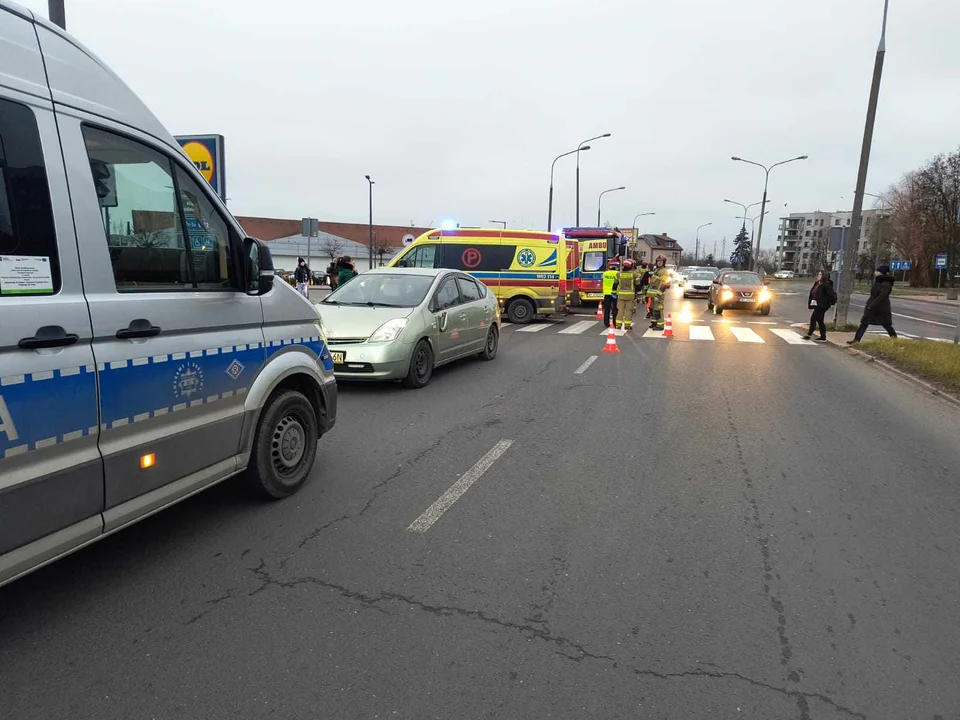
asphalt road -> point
(916, 318)
(688, 529)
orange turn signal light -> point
(148, 461)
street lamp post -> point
(371, 183)
(579, 148)
(850, 253)
(696, 254)
(763, 203)
(600, 199)
(745, 209)
(552, 166)
(753, 224)
(634, 226)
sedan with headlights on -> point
(739, 290)
(400, 323)
(698, 283)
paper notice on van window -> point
(25, 275)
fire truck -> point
(598, 245)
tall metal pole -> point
(579, 148)
(697, 252)
(763, 206)
(600, 199)
(58, 14)
(850, 252)
(552, 166)
(370, 182)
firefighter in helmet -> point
(659, 283)
(610, 292)
(642, 299)
(627, 282)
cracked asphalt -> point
(682, 531)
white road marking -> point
(746, 335)
(761, 322)
(578, 327)
(618, 331)
(698, 332)
(791, 337)
(454, 493)
(580, 370)
(651, 333)
(931, 322)
(533, 328)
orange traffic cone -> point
(600, 310)
(611, 346)
(668, 326)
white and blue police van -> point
(145, 351)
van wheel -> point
(520, 311)
(421, 366)
(491, 344)
(284, 447)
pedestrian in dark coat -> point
(347, 270)
(822, 298)
(877, 310)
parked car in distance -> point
(400, 323)
(784, 275)
(698, 283)
(739, 290)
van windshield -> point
(593, 261)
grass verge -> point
(847, 327)
(935, 362)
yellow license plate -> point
(338, 357)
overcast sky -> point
(458, 109)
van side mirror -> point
(258, 267)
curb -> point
(868, 358)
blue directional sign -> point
(901, 264)
(941, 261)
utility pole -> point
(58, 15)
(850, 251)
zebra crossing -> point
(719, 330)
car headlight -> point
(765, 296)
(390, 330)
(727, 294)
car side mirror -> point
(716, 281)
(258, 267)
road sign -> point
(207, 154)
(308, 227)
(901, 264)
(941, 261)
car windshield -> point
(741, 278)
(701, 275)
(383, 289)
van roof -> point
(492, 233)
(78, 78)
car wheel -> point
(765, 310)
(490, 345)
(421, 366)
(717, 310)
(520, 311)
(284, 447)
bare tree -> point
(332, 246)
(381, 247)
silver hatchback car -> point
(400, 323)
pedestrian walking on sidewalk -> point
(877, 310)
(302, 277)
(822, 298)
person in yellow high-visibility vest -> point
(659, 284)
(627, 282)
(610, 293)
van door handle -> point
(48, 336)
(139, 328)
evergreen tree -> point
(743, 248)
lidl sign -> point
(206, 153)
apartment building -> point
(803, 238)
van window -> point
(145, 225)
(27, 236)
(593, 261)
(480, 258)
(422, 256)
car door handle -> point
(139, 328)
(48, 336)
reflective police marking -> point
(140, 361)
(13, 380)
(43, 375)
(6, 421)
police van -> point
(145, 351)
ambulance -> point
(597, 246)
(519, 266)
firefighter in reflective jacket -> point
(642, 299)
(627, 282)
(659, 283)
(610, 293)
